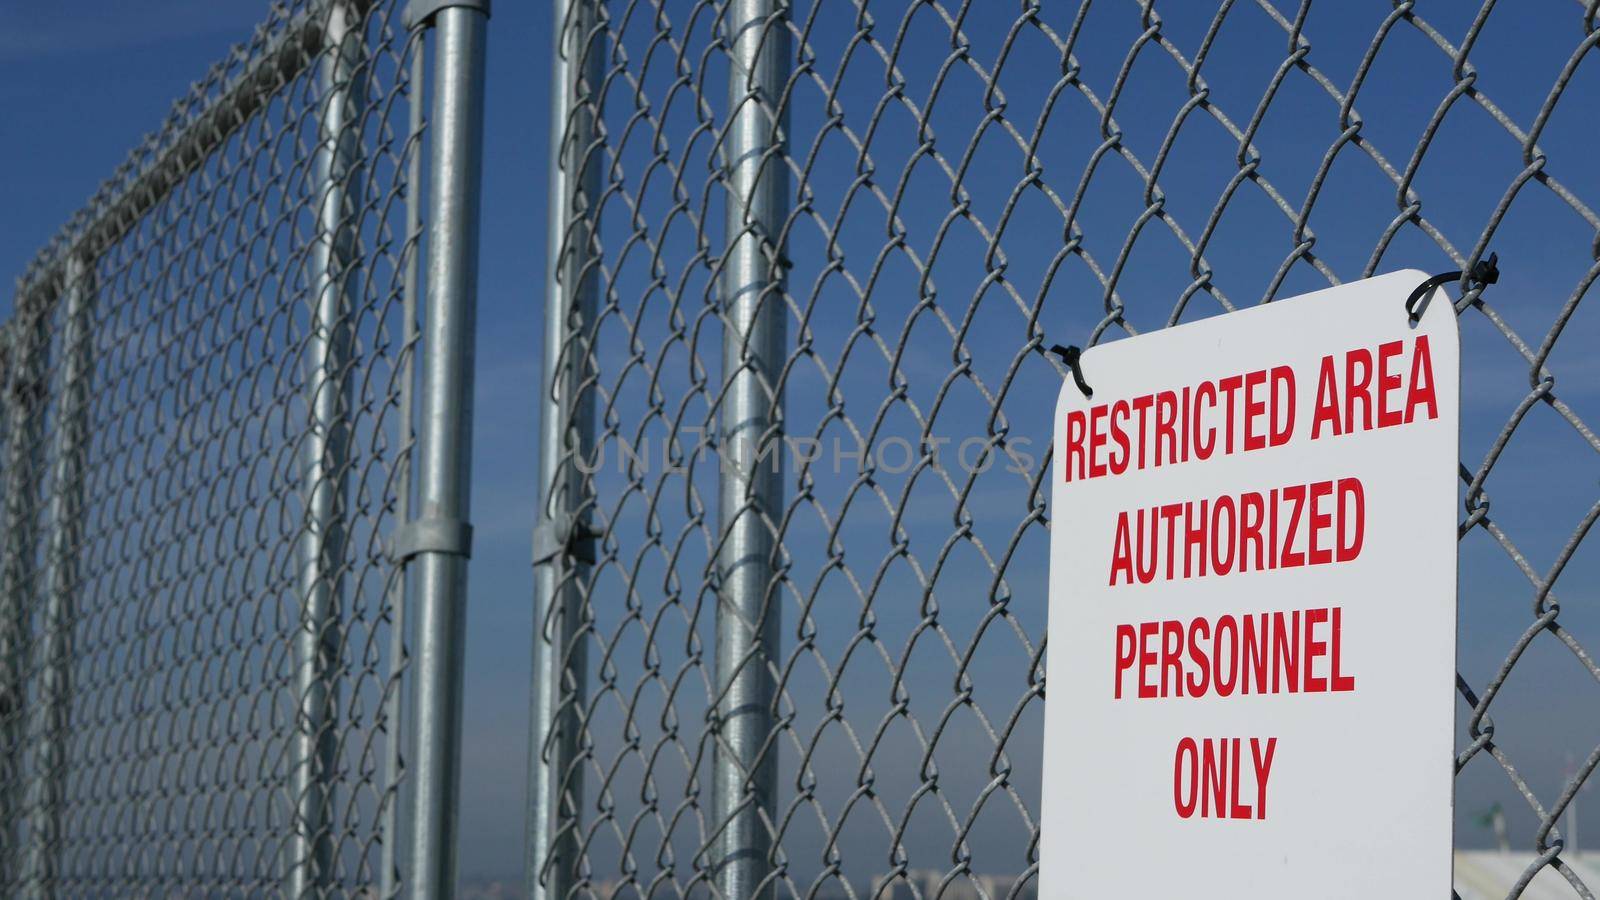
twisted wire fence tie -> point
(1484, 272)
(1070, 354)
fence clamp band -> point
(431, 535)
(1071, 356)
(563, 535)
(1484, 273)
(420, 12)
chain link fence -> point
(789, 563)
(805, 258)
(208, 455)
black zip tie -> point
(1070, 355)
(1484, 272)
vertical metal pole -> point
(10, 601)
(27, 339)
(444, 440)
(566, 424)
(326, 461)
(751, 496)
(68, 461)
(10, 596)
(16, 582)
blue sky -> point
(81, 82)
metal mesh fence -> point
(805, 258)
(206, 446)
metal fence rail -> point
(805, 257)
(209, 451)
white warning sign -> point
(1253, 606)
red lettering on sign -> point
(1203, 448)
(1147, 658)
(1145, 564)
(1283, 404)
(1421, 392)
(1255, 653)
(1353, 514)
(1286, 659)
(1229, 387)
(1295, 495)
(1076, 425)
(1166, 427)
(1251, 507)
(1316, 553)
(1141, 405)
(1315, 649)
(1097, 441)
(1170, 512)
(1200, 675)
(1208, 777)
(1213, 787)
(1327, 406)
(1171, 659)
(1122, 551)
(1185, 763)
(1388, 383)
(1195, 545)
(1340, 681)
(1263, 761)
(1323, 522)
(1125, 648)
(1279, 652)
(1357, 389)
(1225, 686)
(1253, 409)
(1374, 386)
(1369, 388)
(1119, 436)
(1223, 552)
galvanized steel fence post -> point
(11, 682)
(68, 465)
(438, 541)
(322, 550)
(10, 677)
(26, 343)
(751, 440)
(566, 424)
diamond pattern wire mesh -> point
(969, 184)
(205, 376)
